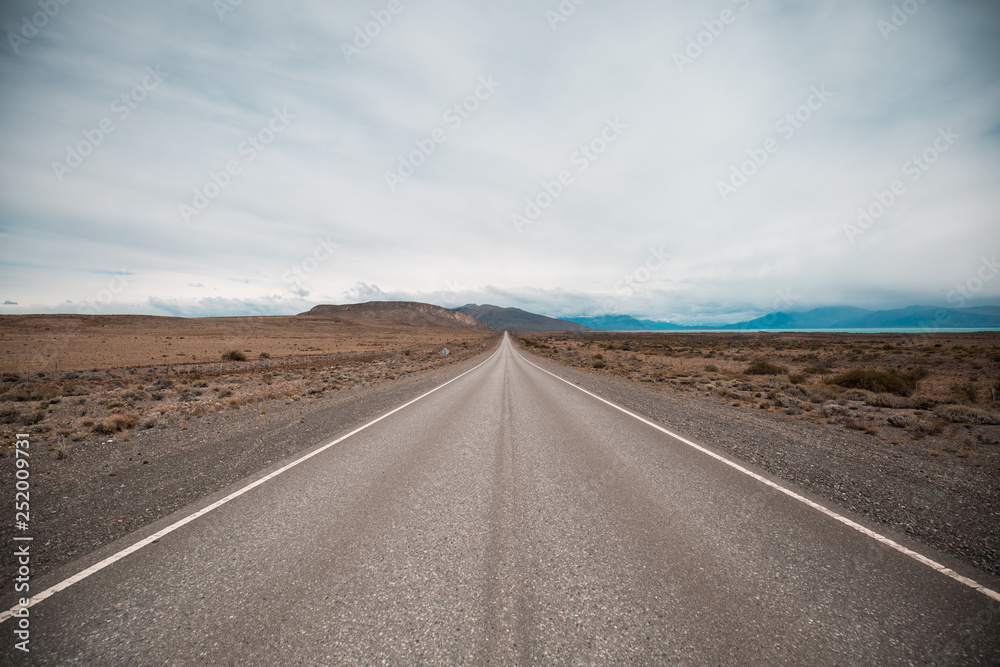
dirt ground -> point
(945, 403)
(47, 343)
(71, 379)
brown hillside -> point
(404, 312)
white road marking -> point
(788, 492)
(97, 567)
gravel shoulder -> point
(939, 502)
(113, 486)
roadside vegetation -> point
(66, 411)
(939, 391)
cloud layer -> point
(672, 160)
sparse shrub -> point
(936, 427)
(599, 364)
(889, 401)
(762, 367)
(9, 416)
(925, 402)
(797, 390)
(407, 352)
(264, 355)
(796, 378)
(711, 368)
(853, 424)
(599, 357)
(966, 414)
(234, 355)
(833, 410)
(31, 393)
(71, 389)
(890, 381)
(133, 395)
(857, 395)
(967, 390)
(116, 422)
(902, 420)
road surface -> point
(510, 518)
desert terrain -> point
(73, 378)
(940, 390)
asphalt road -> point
(509, 518)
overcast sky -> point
(687, 161)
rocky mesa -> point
(412, 313)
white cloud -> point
(446, 235)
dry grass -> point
(36, 343)
(97, 395)
(894, 386)
(115, 423)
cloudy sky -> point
(681, 160)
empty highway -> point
(508, 517)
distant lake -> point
(909, 330)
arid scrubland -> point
(71, 379)
(938, 391)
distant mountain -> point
(832, 317)
(405, 312)
(859, 318)
(623, 323)
(515, 319)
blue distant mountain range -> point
(835, 317)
